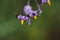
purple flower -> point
(35, 13)
(44, 1)
(23, 18)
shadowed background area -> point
(46, 27)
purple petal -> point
(28, 21)
(27, 9)
(26, 18)
(19, 17)
(41, 2)
(30, 15)
(44, 1)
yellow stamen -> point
(35, 17)
(49, 3)
(22, 22)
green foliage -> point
(46, 27)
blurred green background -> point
(46, 27)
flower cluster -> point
(30, 12)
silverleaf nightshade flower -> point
(44, 1)
(23, 18)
